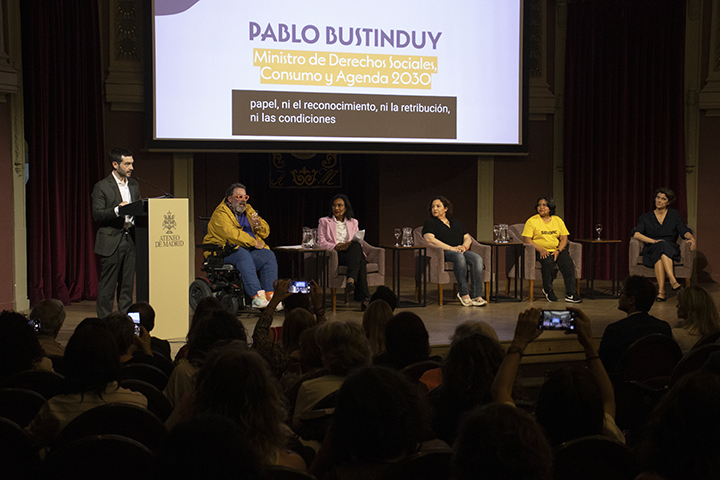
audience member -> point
(343, 348)
(236, 382)
(384, 293)
(204, 305)
(433, 377)
(375, 320)
(297, 319)
(19, 346)
(407, 342)
(380, 418)
(92, 366)
(572, 402)
(50, 314)
(637, 296)
(468, 374)
(207, 446)
(212, 327)
(499, 442)
(147, 320)
(698, 317)
(682, 437)
(122, 328)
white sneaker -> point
(259, 302)
(479, 302)
(279, 307)
(465, 303)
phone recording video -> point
(136, 320)
(299, 286)
(556, 320)
(35, 324)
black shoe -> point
(349, 287)
(550, 295)
(573, 298)
(363, 305)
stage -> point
(441, 321)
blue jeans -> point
(249, 262)
(460, 268)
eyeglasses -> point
(240, 197)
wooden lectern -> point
(162, 240)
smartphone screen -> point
(556, 320)
(136, 320)
(35, 324)
(299, 286)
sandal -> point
(676, 286)
(660, 298)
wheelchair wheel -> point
(230, 302)
(199, 289)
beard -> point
(239, 208)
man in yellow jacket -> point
(235, 221)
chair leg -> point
(577, 286)
(333, 292)
(440, 289)
(417, 290)
(687, 282)
(347, 298)
(507, 287)
(532, 296)
(487, 291)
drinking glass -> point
(598, 229)
(397, 237)
(254, 219)
(496, 230)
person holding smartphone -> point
(573, 402)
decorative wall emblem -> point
(305, 171)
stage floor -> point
(441, 321)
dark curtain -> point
(64, 131)
(624, 116)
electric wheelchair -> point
(221, 280)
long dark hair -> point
(19, 346)
(348, 208)
(92, 359)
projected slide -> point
(338, 71)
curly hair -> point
(236, 382)
(296, 322)
(701, 315)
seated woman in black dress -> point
(448, 233)
(659, 230)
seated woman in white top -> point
(336, 233)
(697, 317)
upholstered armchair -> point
(375, 257)
(532, 266)
(683, 267)
(441, 272)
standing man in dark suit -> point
(637, 296)
(115, 240)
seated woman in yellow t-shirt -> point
(549, 235)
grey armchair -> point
(683, 267)
(532, 266)
(375, 257)
(441, 272)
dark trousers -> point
(118, 270)
(354, 259)
(566, 266)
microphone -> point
(167, 195)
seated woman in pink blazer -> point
(335, 233)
